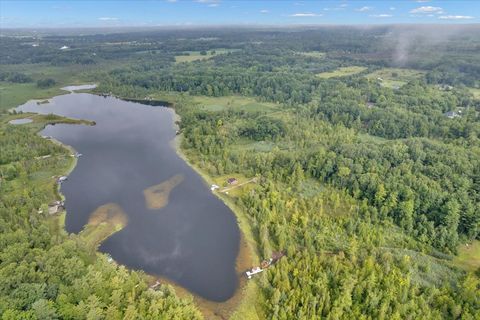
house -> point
(62, 179)
(232, 181)
(214, 187)
(451, 114)
(64, 48)
(56, 207)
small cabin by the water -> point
(232, 181)
(56, 207)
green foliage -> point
(368, 188)
(47, 274)
(45, 83)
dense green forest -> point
(370, 184)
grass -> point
(237, 103)
(395, 77)
(475, 92)
(313, 54)
(15, 94)
(468, 257)
(103, 222)
(342, 72)
(195, 55)
(156, 197)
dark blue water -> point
(193, 240)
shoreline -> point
(248, 250)
(247, 253)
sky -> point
(122, 13)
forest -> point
(370, 184)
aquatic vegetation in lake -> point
(156, 196)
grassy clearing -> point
(342, 72)
(475, 92)
(15, 94)
(313, 54)
(395, 77)
(195, 55)
(237, 103)
(468, 257)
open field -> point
(313, 54)
(237, 103)
(342, 72)
(195, 55)
(15, 94)
(468, 257)
(395, 77)
(475, 92)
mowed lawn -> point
(468, 257)
(395, 77)
(195, 55)
(342, 72)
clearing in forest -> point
(189, 56)
(237, 103)
(341, 72)
(475, 92)
(313, 54)
(468, 257)
(395, 78)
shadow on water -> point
(186, 235)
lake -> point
(176, 227)
(20, 121)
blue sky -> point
(103, 13)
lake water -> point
(80, 87)
(192, 240)
(20, 121)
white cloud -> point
(382, 15)
(392, 8)
(264, 11)
(456, 17)
(108, 19)
(363, 9)
(207, 1)
(213, 5)
(343, 5)
(420, 1)
(305, 14)
(172, 1)
(427, 9)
